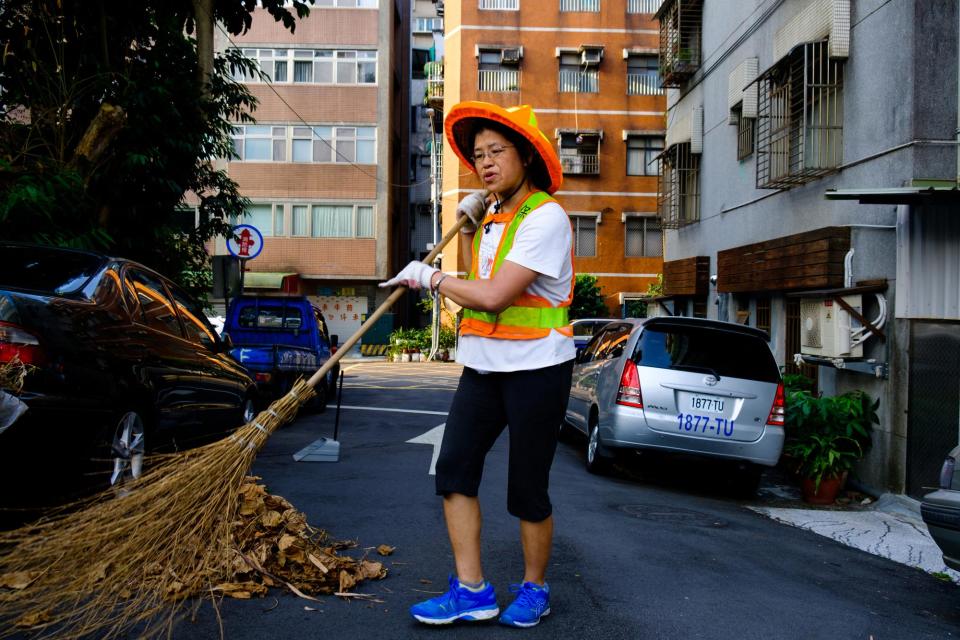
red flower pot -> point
(826, 494)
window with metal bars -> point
(681, 24)
(580, 152)
(746, 134)
(763, 314)
(800, 118)
(643, 237)
(584, 236)
(678, 197)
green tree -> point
(107, 128)
(587, 299)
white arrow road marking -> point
(433, 437)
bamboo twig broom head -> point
(114, 562)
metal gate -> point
(933, 422)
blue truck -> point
(281, 339)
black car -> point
(122, 362)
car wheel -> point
(597, 460)
(128, 449)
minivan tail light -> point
(777, 410)
(17, 342)
(629, 393)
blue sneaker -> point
(532, 603)
(459, 603)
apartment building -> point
(809, 166)
(589, 70)
(325, 164)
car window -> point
(584, 329)
(707, 350)
(156, 308)
(47, 269)
(598, 347)
(109, 295)
(198, 328)
(256, 317)
(321, 324)
(617, 340)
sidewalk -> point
(890, 527)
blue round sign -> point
(245, 242)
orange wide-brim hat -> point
(545, 171)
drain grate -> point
(660, 513)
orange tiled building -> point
(589, 70)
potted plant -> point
(822, 459)
(826, 436)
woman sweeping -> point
(516, 347)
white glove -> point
(474, 207)
(415, 275)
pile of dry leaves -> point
(275, 547)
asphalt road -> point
(661, 553)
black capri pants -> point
(533, 403)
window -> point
(260, 143)
(678, 197)
(427, 25)
(265, 143)
(580, 152)
(497, 69)
(643, 76)
(299, 220)
(576, 77)
(156, 308)
(317, 66)
(419, 62)
(763, 314)
(584, 236)
(261, 216)
(643, 6)
(500, 5)
(642, 152)
(342, 221)
(590, 6)
(681, 23)
(800, 118)
(644, 239)
(746, 134)
(362, 4)
(198, 328)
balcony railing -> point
(643, 6)
(579, 81)
(427, 25)
(582, 164)
(644, 84)
(500, 5)
(434, 73)
(591, 6)
(499, 80)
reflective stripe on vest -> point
(529, 316)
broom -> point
(115, 561)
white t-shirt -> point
(541, 244)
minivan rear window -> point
(707, 350)
(46, 270)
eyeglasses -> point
(493, 152)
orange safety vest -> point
(529, 316)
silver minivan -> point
(680, 384)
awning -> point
(818, 20)
(286, 281)
(897, 195)
(686, 127)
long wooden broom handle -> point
(382, 309)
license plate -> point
(706, 404)
(709, 425)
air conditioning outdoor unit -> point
(510, 56)
(591, 57)
(826, 328)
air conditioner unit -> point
(826, 328)
(591, 57)
(510, 56)
(571, 163)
